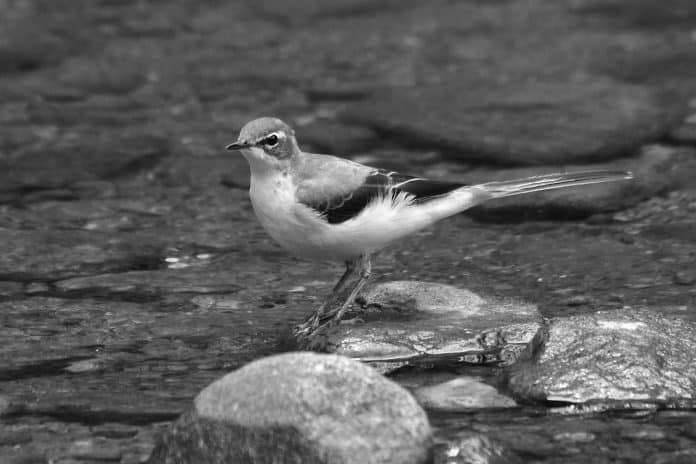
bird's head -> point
(266, 143)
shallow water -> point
(133, 272)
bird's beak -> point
(238, 145)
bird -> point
(324, 207)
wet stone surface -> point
(612, 357)
(300, 408)
(133, 272)
(407, 321)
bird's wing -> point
(342, 189)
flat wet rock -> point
(299, 408)
(474, 448)
(612, 356)
(462, 394)
(51, 254)
(477, 123)
(64, 162)
(410, 321)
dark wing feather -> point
(382, 183)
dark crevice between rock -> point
(25, 195)
(86, 416)
(105, 294)
(39, 369)
(139, 164)
(152, 262)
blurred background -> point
(132, 269)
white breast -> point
(302, 231)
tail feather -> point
(510, 188)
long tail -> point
(466, 197)
(509, 188)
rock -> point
(97, 450)
(110, 72)
(684, 134)
(29, 456)
(683, 456)
(462, 394)
(51, 254)
(88, 158)
(10, 288)
(183, 280)
(473, 448)
(612, 356)
(682, 231)
(655, 171)
(521, 123)
(311, 9)
(107, 111)
(14, 437)
(299, 408)
(411, 321)
(335, 138)
(30, 45)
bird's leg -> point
(338, 288)
(363, 276)
(340, 285)
(320, 314)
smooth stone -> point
(64, 162)
(97, 450)
(99, 110)
(14, 437)
(10, 288)
(304, 10)
(181, 280)
(52, 254)
(106, 73)
(299, 408)
(611, 357)
(685, 277)
(682, 231)
(522, 123)
(29, 44)
(336, 138)
(686, 134)
(462, 394)
(411, 321)
(474, 448)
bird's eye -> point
(271, 140)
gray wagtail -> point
(327, 208)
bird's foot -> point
(312, 333)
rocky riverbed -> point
(133, 272)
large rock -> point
(299, 408)
(614, 356)
(522, 123)
(411, 321)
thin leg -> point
(316, 318)
(364, 275)
(350, 267)
(340, 285)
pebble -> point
(94, 449)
